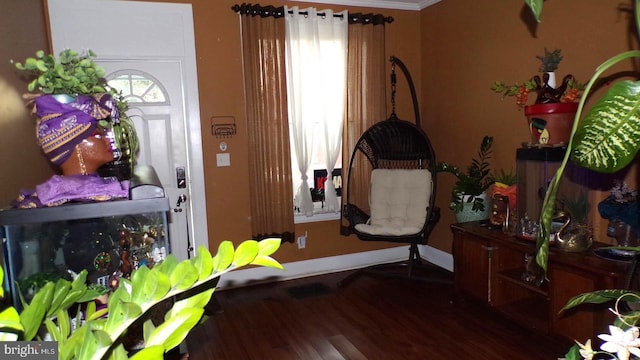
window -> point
(316, 52)
(138, 87)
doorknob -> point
(182, 198)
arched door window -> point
(139, 87)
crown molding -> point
(413, 5)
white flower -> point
(585, 350)
(621, 342)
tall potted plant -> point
(72, 74)
(468, 197)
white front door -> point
(155, 40)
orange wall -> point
(467, 45)
(220, 75)
(454, 50)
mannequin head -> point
(70, 136)
(91, 153)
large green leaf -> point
(148, 285)
(595, 297)
(171, 333)
(183, 276)
(53, 330)
(61, 290)
(149, 353)
(536, 8)
(33, 314)
(607, 139)
(121, 314)
(199, 300)
(10, 320)
(245, 253)
(95, 344)
(268, 246)
(166, 267)
(224, 256)
(203, 262)
(267, 261)
(71, 298)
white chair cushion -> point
(399, 199)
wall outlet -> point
(302, 241)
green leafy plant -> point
(622, 343)
(73, 73)
(474, 181)
(578, 206)
(550, 60)
(503, 177)
(58, 305)
(570, 91)
(606, 140)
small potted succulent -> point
(72, 74)
(551, 116)
(468, 194)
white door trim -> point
(181, 14)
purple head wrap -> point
(62, 126)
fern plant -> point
(99, 333)
(474, 181)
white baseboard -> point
(332, 264)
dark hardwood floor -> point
(372, 317)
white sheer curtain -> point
(316, 51)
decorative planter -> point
(551, 124)
(468, 214)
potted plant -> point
(468, 194)
(72, 74)
(551, 116)
(58, 308)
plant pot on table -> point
(550, 124)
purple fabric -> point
(63, 189)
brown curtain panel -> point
(366, 104)
(263, 45)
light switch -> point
(223, 159)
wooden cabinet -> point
(489, 267)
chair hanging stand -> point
(402, 187)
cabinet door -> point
(585, 321)
(472, 265)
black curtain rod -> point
(278, 12)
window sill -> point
(301, 219)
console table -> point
(489, 264)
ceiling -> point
(415, 5)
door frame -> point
(181, 14)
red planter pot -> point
(551, 124)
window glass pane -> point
(138, 88)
